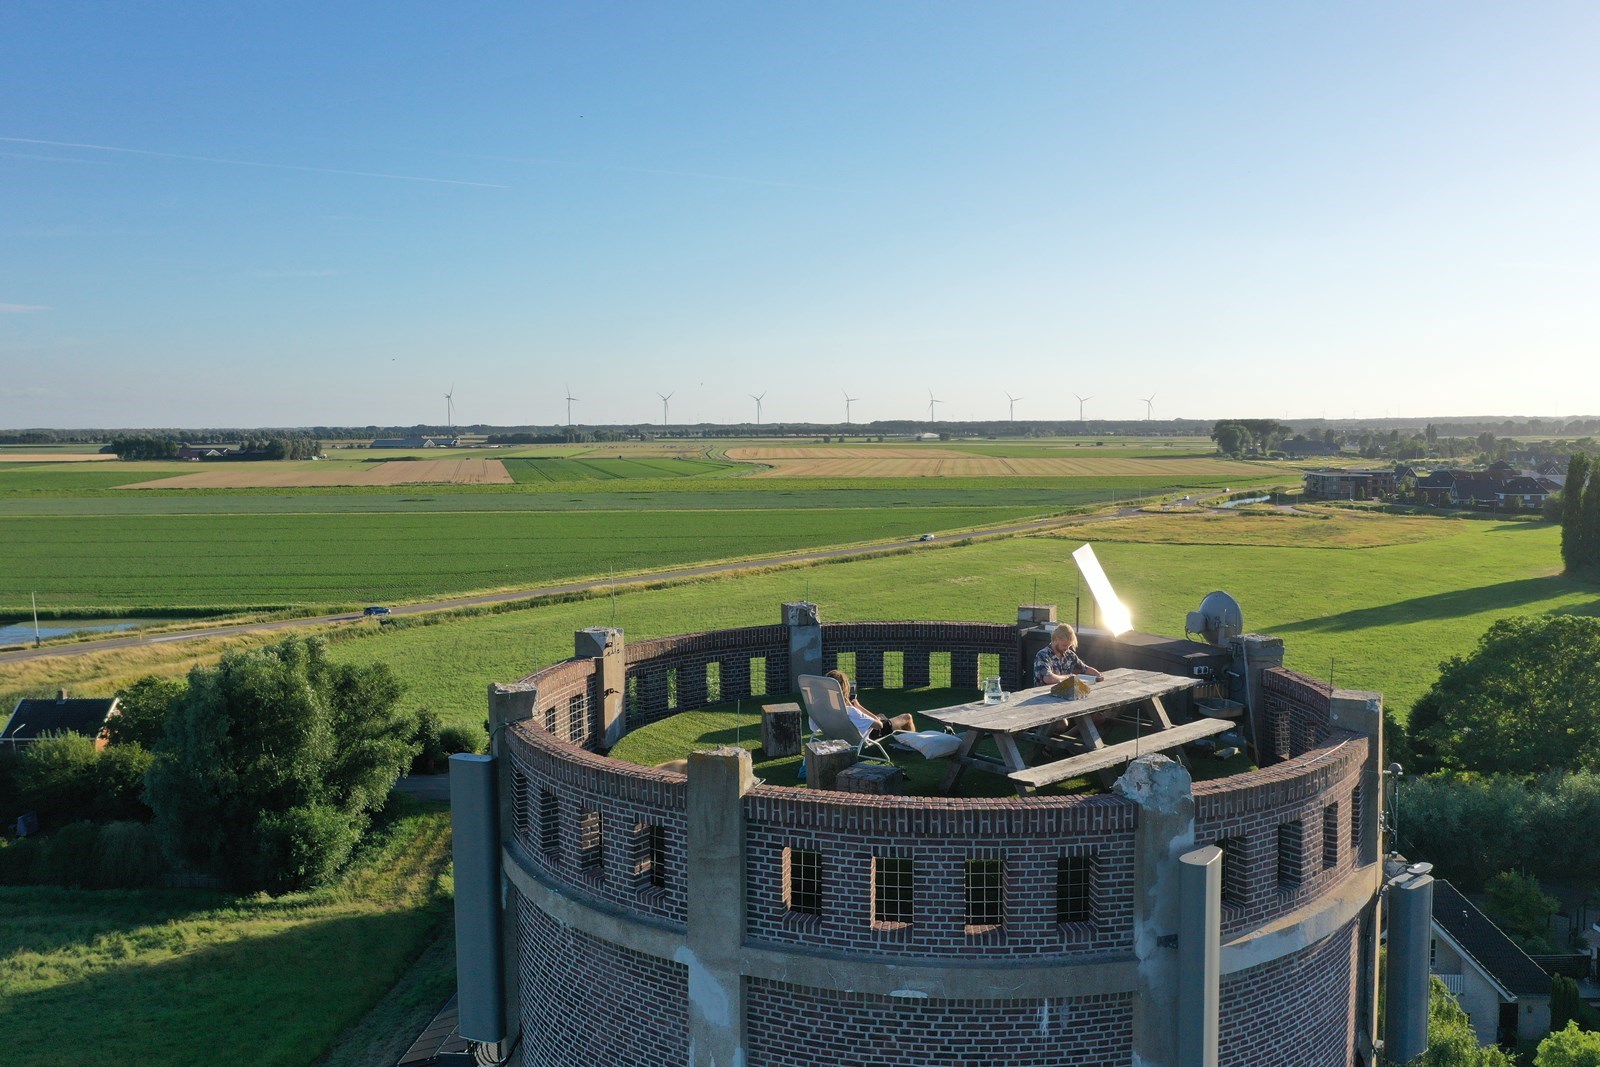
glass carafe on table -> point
(992, 693)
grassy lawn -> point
(181, 977)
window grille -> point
(650, 862)
(1290, 854)
(894, 670)
(672, 688)
(1330, 836)
(803, 880)
(591, 843)
(519, 804)
(549, 821)
(985, 892)
(1355, 821)
(1234, 881)
(713, 683)
(1075, 889)
(892, 889)
(758, 676)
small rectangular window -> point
(630, 699)
(1291, 856)
(591, 843)
(1234, 881)
(802, 880)
(713, 683)
(650, 855)
(1355, 822)
(672, 688)
(758, 676)
(893, 889)
(846, 662)
(1075, 889)
(985, 884)
(894, 670)
(549, 821)
(1330, 836)
(519, 804)
(988, 665)
(938, 670)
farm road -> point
(81, 648)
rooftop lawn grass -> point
(728, 724)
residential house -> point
(1337, 484)
(1504, 993)
(33, 719)
(404, 442)
(1521, 494)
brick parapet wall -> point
(939, 836)
(615, 858)
(1288, 825)
(668, 674)
(864, 1030)
(930, 653)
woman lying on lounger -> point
(875, 725)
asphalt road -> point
(80, 648)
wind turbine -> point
(570, 399)
(1081, 400)
(664, 398)
(450, 407)
(931, 402)
(1013, 400)
(848, 400)
(758, 400)
(1149, 406)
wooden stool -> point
(879, 778)
(782, 727)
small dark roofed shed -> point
(33, 718)
(1486, 943)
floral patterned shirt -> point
(1049, 661)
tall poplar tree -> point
(1589, 522)
(1572, 512)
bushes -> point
(437, 743)
(66, 779)
(455, 739)
(120, 855)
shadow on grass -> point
(269, 997)
(1506, 597)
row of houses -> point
(1499, 488)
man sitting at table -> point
(1058, 661)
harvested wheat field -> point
(945, 463)
(274, 476)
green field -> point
(587, 469)
(181, 977)
(268, 562)
(1376, 615)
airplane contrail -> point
(251, 163)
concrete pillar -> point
(783, 728)
(1164, 831)
(605, 646)
(1200, 956)
(1410, 930)
(1031, 615)
(1252, 654)
(475, 848)
(1361, 712)
(508, 704)
(805, 640)
(718, 781)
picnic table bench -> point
(1048, 724)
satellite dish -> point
(1218, 619)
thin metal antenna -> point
(1330, 672)
(613, 596)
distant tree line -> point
(286, 447)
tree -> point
(142, 711)
(1589, 521)
(1522, 702)
(1522, 909)
(1572, 532)
(272, 763)
(1451, 1042)
(1565, 1002)
(1231, 438)
(1570, 1047)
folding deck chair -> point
(825, 705)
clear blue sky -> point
(288, 213)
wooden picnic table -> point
(1044, 723)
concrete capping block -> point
(1358, 710)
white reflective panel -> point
(1114, 614)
